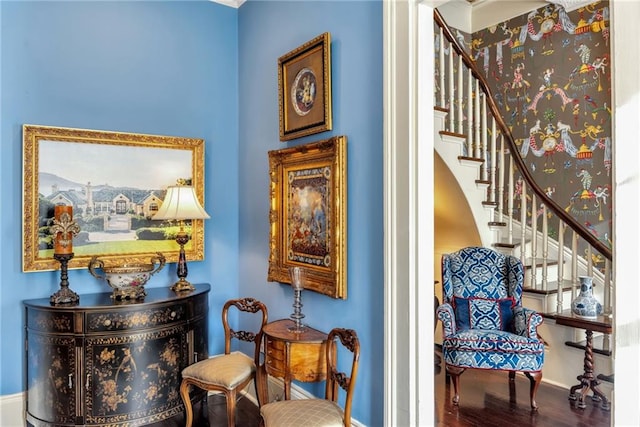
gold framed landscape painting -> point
(308, 208)
(304, 89)
(113, 182)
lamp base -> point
(182, 285)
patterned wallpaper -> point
(550, 72)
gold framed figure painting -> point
(112, 184)
(308, 208)
(304, 89)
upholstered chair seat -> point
(484, 323)
(227, 370)
(305, 412)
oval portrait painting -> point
(303, 91)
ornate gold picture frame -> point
(308, 187)
(114, 182)
(304, 83)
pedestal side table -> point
(588, 380)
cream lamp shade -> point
(181, 203)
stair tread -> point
(528, 262)
(449, 133)
(550, 290)
(470, 159)
(597, 343)
(607, 378)
(502, 244)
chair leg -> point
(184, 394)
(262, 387)
(231, 408)
(455, 373)
(535, 378)
(512, 375)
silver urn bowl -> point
(128, 280)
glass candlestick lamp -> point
(297, 283)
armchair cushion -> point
(484, 313)
(475, 348)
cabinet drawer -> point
(50, 321)
(275, 349)
(135, 319)
(275, 367)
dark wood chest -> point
(104, 362)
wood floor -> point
(247, 414)
(486, 399)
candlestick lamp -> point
(180, 204)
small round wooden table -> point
(293, 355)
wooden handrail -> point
(569, 220)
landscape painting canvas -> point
(115, 183)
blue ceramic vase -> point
(585, 304)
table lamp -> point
(180, 204)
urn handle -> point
(158, 259)
(93, 264)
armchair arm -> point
(446, 315)
(526, 322)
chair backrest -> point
(481, 272)
(335, 378)
(248, 305)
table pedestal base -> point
(588, 380)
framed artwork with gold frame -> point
(308, 209)
(115, 182)
(304, 89)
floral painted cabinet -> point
(105, 362)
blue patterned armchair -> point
(484, 323)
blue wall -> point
(168, 68)
(199, 69)
(267, 31)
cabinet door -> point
(135, 377)
(51, 366)
(200, 340)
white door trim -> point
(408, 207)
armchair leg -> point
(455, 372)
(535, 378)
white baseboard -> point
(12, 410)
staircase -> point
(476, 145)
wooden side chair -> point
(327, 411)
(229, 372)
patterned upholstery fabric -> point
(302, 413)
(484, 313)
(227, 370)
(478, 272)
